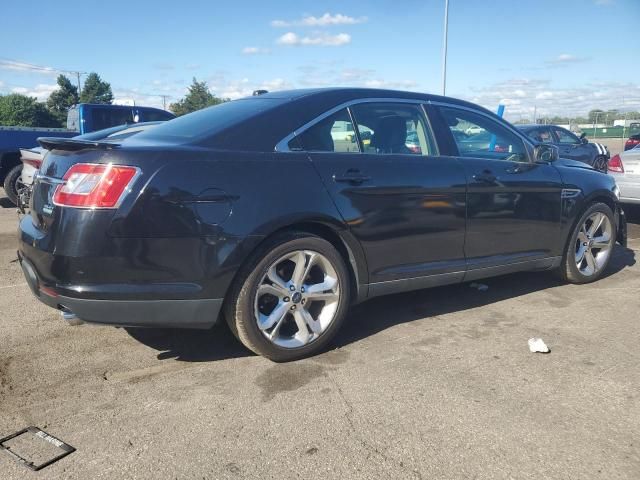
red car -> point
(632, 142)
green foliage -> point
(95, 90)
(197, 97)
(61, 99)
(20, 110)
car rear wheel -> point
(590, 246)
(291, 298)
(13, 183)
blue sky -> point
(559, 56)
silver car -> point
(625, 168)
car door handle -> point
(352, 176)
(485, 177)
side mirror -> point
(546, 153)
(583, 138)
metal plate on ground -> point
(34, 448)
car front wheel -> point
(590, 246)
(291, 298)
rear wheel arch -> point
(349, 250)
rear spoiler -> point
(70, 144)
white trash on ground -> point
(538, 345)
(481, 287)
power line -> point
(18, 65)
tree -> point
(61, 99)
(197, 97)
(95, 90)
(20, 110)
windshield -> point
(211, 120)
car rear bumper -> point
(180, 313)
(100, 290)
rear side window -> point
(332, 134)
(393, 128)
(542, 135)
(478, 136)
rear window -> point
(211, 120)
(110, 117)
(153, 115)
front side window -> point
(566, 137)
(332, 134)
(393, 128)
(479, 136)
(542, 135)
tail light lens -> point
(615, 164)
(631, 143)
(88, 185)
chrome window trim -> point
(283, 145)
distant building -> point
(626, 123)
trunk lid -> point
(631, 162)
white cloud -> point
(255, 51)
(396, 84)
(27, 67)
(565, 59)
(40, 91)
(523, 96)
(325, 40)
(325, 20)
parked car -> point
(570, 145)
(625, 168)
(32, 158)
(81, 119)
(247, 208)
(632, 142)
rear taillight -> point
(615, 164)
(88, 185)
(631, 143)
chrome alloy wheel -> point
(594, 244)
(297, 299)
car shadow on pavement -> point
(381, 313)
(366, 319)
(185, 345)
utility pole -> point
(164, 101)
(78, 77)
(444, 47)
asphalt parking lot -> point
(431, 384)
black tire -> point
(239, 303)
(10, 183)
(568, 270)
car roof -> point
(354, 93)
(294, 108)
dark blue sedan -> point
(570, 145)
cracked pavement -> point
(430, 384)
